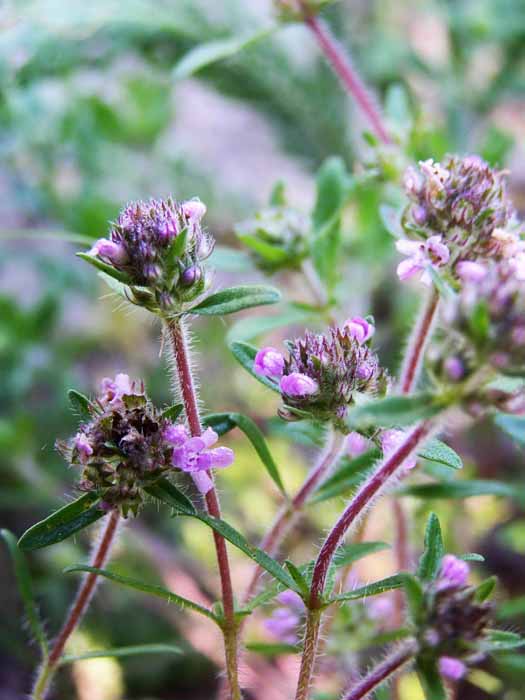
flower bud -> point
(190, 276)
(269, 362)
(359, 328)
(451, 668)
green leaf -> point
(229, 301)
(325, 250)
(350, 553)
(221, 423)
(386, 584)
(394, 411)
(332, 186)
(80, 403)
(500, 640)
(513, 426)
(439, 452)
(471, 556)
(148, 588)
(107, 269)
(174, 252)
(486, 588)
(430, 679)
(275, 649)
(464, 489)
(206, 54)
(268, 251)
(245, 353)
(63, 523)
(165, 491)
(172, 412)
(122, 652)
(431, 558)
(297, 577)
(348, 474)
(415, 597)
(25, 587)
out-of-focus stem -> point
(382, 672)
(340, 62)
(189, 399)
(388, 468)
(81, 604)
(418, 342)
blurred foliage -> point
(91, 116)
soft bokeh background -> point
(92, 117)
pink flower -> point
(84, 449)
(451, 668)
(355, 444)
(453, 573)
(471, 271)
(359, 328)
(194, 456)
(114, 252)
(115, 389)
(297, 384)
(269, 362)
(422, 255)
(194, 210)
(391, 440)
(454, 368)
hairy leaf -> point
(233, 299)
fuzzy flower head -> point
(454, 208)
(127, 445)
(322, 373)
(158, 248)
(456, 623)
(276, 238)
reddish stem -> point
(340, 62)
(381, 673)
(418, 342)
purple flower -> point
(453, 573)
(355, 444)
(114, 252)
(115, 389)
(471, 271)
(297, 384)
(454, 368)
(83, 447)
(391, 440)
(286, 619)
(269, 362)
(193, 210)
(451, 668)
(421, 255)
(193, 454)
(359, 328)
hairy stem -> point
(418, 342)
(311, 642)
(291, 511)
(387, 469)
(189, 399)
(382, 672)
(80, 605)
(340, 62)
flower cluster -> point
(455, 209)
(128, 444)
(322, 373)
(158, 247)
(276, 237)
(485, 324)
(455, 623)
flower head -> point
(322, 373)
(421, 256)
(454, 572)
(359, 328)
(459, 203)
(159, 247)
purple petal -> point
(221, 457)
(297, 384)
(202, 481)
(209, 437)
(269, 362)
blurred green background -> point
(91, 117)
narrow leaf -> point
(386, 584)
(63, 523)
(500, 640)
(431, 558)
(439, 452)
(107, 269)
(121, 652)
(430, 679)
(172, 412)
(268, 649)
(165, 491)
(486, 588)
(297, 577)
(332, 186)
(464, 489)
(25, 587)
(80, 403)
(394, 411)
(254, 435)
(245, 353)
(233, 299)
(148, 588)
(206, 54)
